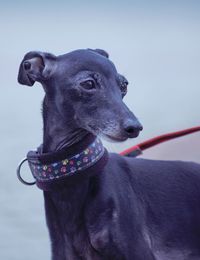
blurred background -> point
(155, 44)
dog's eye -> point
(88, 84)
(123, 87)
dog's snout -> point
(132, 128)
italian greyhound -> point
(104, 205)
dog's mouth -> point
(121, 136)
(112, 138)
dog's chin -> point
(118, 138)
(114, 139)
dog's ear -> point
(101, 52)
(36, 66)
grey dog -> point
(131, 209)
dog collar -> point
(55, 169)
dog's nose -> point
(132, 128)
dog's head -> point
(85, 85)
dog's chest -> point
(65, 219)
(79, 246)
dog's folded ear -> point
(36, 66)
(101, 52)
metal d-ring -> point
(19, 175)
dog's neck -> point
(58, 132)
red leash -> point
(137, 149)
